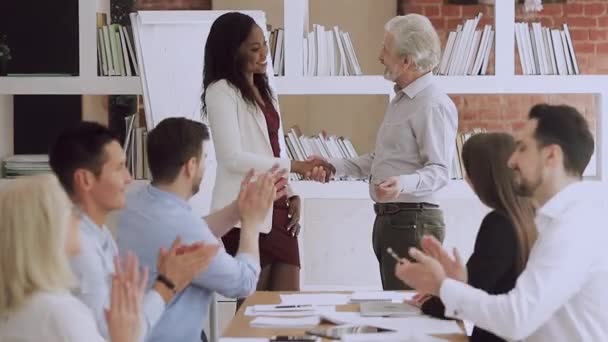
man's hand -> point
(426, 275)
(419, 299)
(453, 265)
(256, 199)
(181, 263)
(315, 168)
(388, 190)
(294, 215)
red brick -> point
(552, 10)
(573, 10)
(432, 11)
(407, 9)
(602, 22)
(582, 22)
(490, 114)
(489, 11)
(495, 126)
(451, 11)
(517, 126)
(584, 47)
(547, 21)
(470, 116)
(452, 23)
(596, 35)
(469, 12)
(438, 24)
(579, 34)
(429, 1)
(595, 10)
(602, 48)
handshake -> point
(314, 168)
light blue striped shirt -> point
(153, 219)
(94, 268)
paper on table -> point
(315, 299)
(283, 308)
(389, 337)
(417, 324)
(282, 322)
(393, 296)
(411, 324)
(316, 311)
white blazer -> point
(240, 136)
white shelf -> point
(519, 84)
(335, 85)
(321, 85)
(98, 85)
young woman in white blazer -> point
(38, 233)
(245, 124)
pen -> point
(394, 255)
(292, 306)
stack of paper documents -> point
(279, 311)
(417, 324)
(315, 299)
(389, 337)
(288, 323)
(380, 296)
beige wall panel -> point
(356, 117)
(363, 19)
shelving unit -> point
(296, 23)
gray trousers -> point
(401, 226)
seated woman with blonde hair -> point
(38, 233)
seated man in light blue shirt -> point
(159, 212)
(90, 163)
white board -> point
(170, 51)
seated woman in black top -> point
(506, 234)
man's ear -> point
(190, 166)
(83, 180)
(553, 156)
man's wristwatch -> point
(167, 282)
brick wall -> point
(588, 23)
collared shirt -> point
(152, 219)
(562, 294)
(94, 268)
(416, 141)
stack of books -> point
(545, 51)
(26, 165)
(300, 147)
(468, 49)
(116, 51)
(276, 46)
(136, 137)
(457, 171)
(329, 53)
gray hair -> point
(416, 38)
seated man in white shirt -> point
(562, 293)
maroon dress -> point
(278, 246)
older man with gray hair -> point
(414, 145)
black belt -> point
(392, 208)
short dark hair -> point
(565, 126)
(79, 147)
(171, 144)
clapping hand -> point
(452, 264)
(128, 287)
